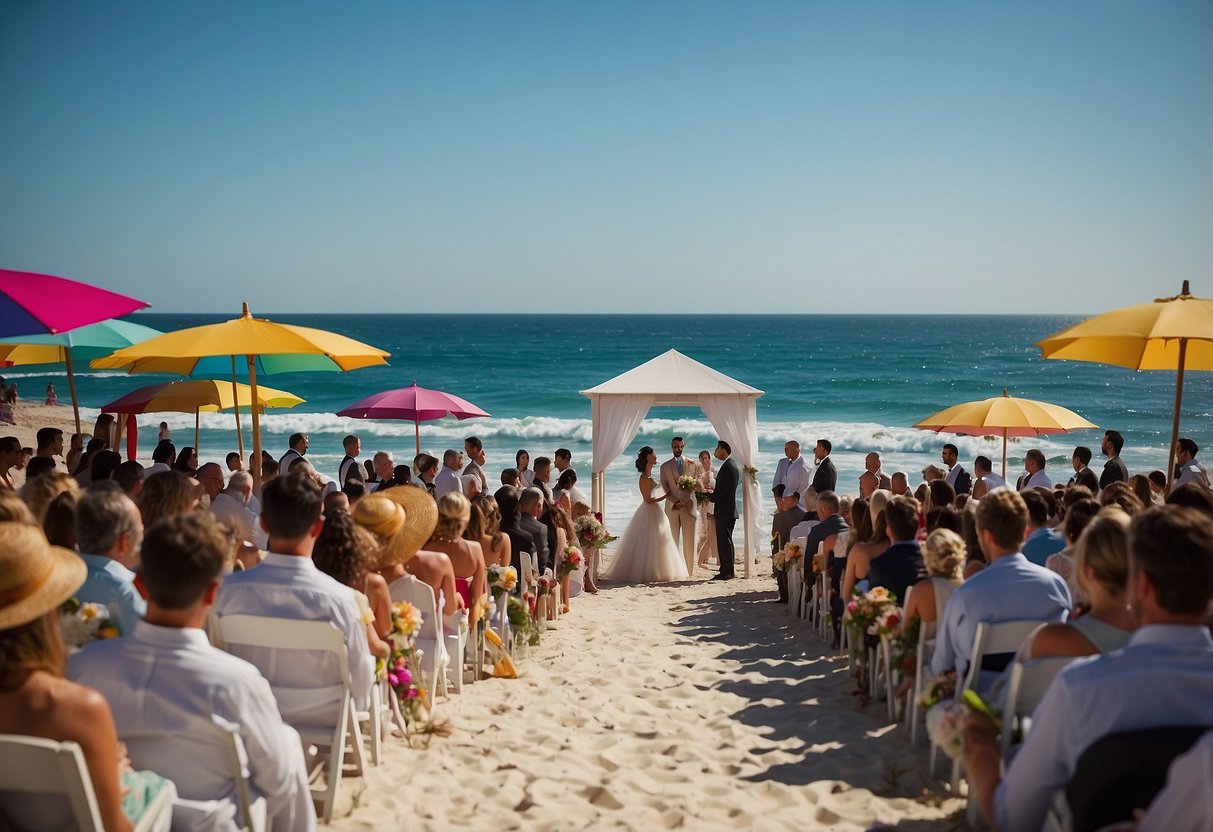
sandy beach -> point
(696, 705)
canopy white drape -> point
(618, 408)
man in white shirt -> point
(1034, 465)
(796, 477)
(287, 584)
(447, 481)
(985, 480)
(957, 476)
(231, 505)
(1189, 469)
(473, 449)
(163, 457)
(1163, 678)
(298, 447)
(169, 690)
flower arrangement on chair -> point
(784, 558)
(403, 666)
(502, 579)
(83, 624)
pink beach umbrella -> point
(413, 403)
(37, 304)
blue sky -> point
(611, 157)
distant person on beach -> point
(1189, 469)
(1114, 470)
(52, 398)
(167, 686)
(50, 443)
(473, 449)
(349, 467)
(163, 436)
(10, 394)
(1080, 459)
(957, 476)
(1034, 466)
(298, 446)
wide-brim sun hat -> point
(401, 518)
(35, 577)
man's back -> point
(538, 534)
(169, 689)
(307, 685)
(1042, 543)
(1114, 470)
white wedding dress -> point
(647, 552)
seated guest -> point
(50, 444)
(83, 472)
(75, 451)
(287, 584)
(210, 477)
(900, 565)
(1193, 496)
(38, 466)
(231, 505)
(826, 532)
(168, 494)
(943, 554)
(520, 541)
(1034, 466)
(511, 478)
(1158, 487)
(1187, 801)
(60, 522)
(1119, 494)
(353, 490)
(109, 532)
(868, 539)
(129, 476)
(530, 508)
(1042, 540)
(402, 475)
(899, 484)
(788, 514)
(234, 462)
(1139, 484)
(484, 527)
(10, 454)
(1164, 677)
(1102, 566)
(168, 687)
(103, 466)
(347, 552)
(163, 457)
(466, 556)
(1078, 516)
(1009, 588)
(39, 491)
(35, 700)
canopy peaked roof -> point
(673, 379)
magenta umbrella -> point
(414, 403)
(37, 304)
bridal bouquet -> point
(687, 482)
(570, 562)
(502, 579)
(83, 624)
(591, 534)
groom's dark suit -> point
(724, 500)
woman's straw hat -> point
(402, 520)
(35, 577)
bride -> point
(647, 552)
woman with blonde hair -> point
(943, 553)
(1101, 563)
(467, 557)
(167, 494)
(39, 492)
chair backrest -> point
(286, 634)
(1026, 687)
(1003, 638)
(802, 542)
(840, 543)
(420, 595)
(32, 765)
(1124, 771)
(526, 566)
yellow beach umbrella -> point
(263, 345)
(1005, 416)
(199, 396)
(1173, 333)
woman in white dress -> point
(647, 552)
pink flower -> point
(405, 677)
(393, 680)
(413, 693)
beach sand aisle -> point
(698, 705)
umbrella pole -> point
(417, 433)
(1004, 453)
(1179, 394)
(252, 381)
(71, 386)
(236, 408)
(197, 425)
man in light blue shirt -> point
(1042, 541)
(1163, 678)
(1009, 589)
(109, 532)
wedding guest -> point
(35, 700)
(473, 449)
(210, 477)
(522, 459)
(1139, 484)
(447, 481)
(706, 545)
(109, 532)
(353, 491)
(163, 457)
(130, 477)
(788, 514)
(167, 494)
(900, 565)
(287, 584)
(868, 540)
(484, 527)
(1163, 677)
(1158, 487)
(401, 475)
(105, 463)
(932, 473)
(540, 478)
(234, 462)
(346, 553)
(568, 475)
(871, 464)
(868, 483)
(531, 508)
(1189, 469)
(38, 492)
(466, 556)
(1034, 467)
(796, 475)
(50, 444)
(825, 476)
(1187, 801)
(1080, 459)
(899, 484)
(75, 450)
(187, 461)
(1114, 470)
(956, 475)
(83, 472)
(10, 455)
(168, 687)
(1078, 517)
(565, 493)
(510, 477)
(297, 446)
(59, 525)
(520, 541)
(426, 467)
(566, 538)
(1009, 588)
(943, 554)
(939, 494)
(826, 532)
(1043, 539)
(231, 505)
(1119, 494)
(985, 480)
(384, 471)
(1102, 567)
(349, 468)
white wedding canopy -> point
(618, 406)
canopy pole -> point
(745, 517)
(252, 381)
(71, 386)
(197, 425)
(236, 408)
(1179, 394)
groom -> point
(680, 508)
(724, 501)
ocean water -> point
(859, 381)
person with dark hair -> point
(103, 466)
(401, 475)
(287, 584)
(1158, 487)
(109, 533)
(473, 449)
(1189, 469)
(1035, 477)
(1163, 677)
(724, 508)
(1009, 588)
(234, 462)
(1042, 540)
(900, 566)
(509, 476)
(10, 454)
(825, 476)
(1080, 459)
(985, 480)
(507, 503)
(1079, 513)
(163, 457)
(1114, 470)
(167, 686)
(426, 467)
(297, 446)
(50, 443)
(168, 493)
(354, 490)
(38, 466)
(957, 476)
(59, 523)
(522, 459)
(531, 507)
(129, 475)
(187, 461)
(646, 552)
(347, 552)
(1192, 496)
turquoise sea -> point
(860, 381)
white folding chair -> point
(528, 572)
(372, 721)
(1026, 687)
(922, 656)
(35, 766)
(322, 636)
(430, 640)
